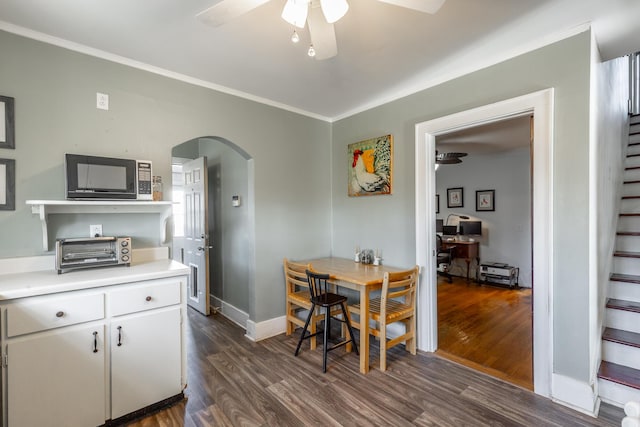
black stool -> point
(320, 296)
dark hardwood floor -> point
(236, 382)
(488, 328)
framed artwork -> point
(7, 124)
(486, 200)
(370, 166)
(437, 203)
(7, 185)
(455, 197)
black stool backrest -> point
(318, 284)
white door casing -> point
(540, 104)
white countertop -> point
(44, 282)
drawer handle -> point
(119, 336)
(148, 298)
(95, 341)
(60, 314)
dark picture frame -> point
(485, 200)
(7, 123)
(7, 185)
(455, 197)
(437, 203)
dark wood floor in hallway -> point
(236, 382)
(488, 328)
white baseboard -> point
(232, 313)
(574, 394)
(266, 329)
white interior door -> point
(196, 235)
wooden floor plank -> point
(236, 382)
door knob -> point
(200, 248)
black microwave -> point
(92, 177)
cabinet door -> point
(57, 378)
(145, 359)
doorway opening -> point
(485, 314)
(540, 106)
(226, 210)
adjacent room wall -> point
(388, 222)
(506, 232)
(55, 101)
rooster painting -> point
(370, 166)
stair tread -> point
(629, 278)
(628, 233)
(632, 182)
(630, 214)
(633, 143)
(619, 374)
(631, 197)
(632, 339)
(627, 254)
(629, 168)
(633, 155)
(620, 304)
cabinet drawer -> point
(144, 297)
(49, 313)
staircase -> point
(619, 373)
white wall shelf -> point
(43, 208)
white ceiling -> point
(384, 51)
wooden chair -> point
(397, 303)
(321, 296)
(298, 298)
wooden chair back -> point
(398, 286)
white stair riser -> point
(622, 265)
(634, 119)
(623, 320)
(632, 161)
(617, 394)
(634, 127)
(634, 138)
(621, 354)
(624, 291)
(629, 223)
(632, 174)
(631, 189)
(628, 243)
(630, 206)
(633, 149)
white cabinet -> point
(57, 378)
(60, 369)
(145, 359)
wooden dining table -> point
(364, 278)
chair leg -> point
(347, 321)
(304, 330)
(327, 327)
(410, 344)
(290, 326)
(383, 347)
(313, 329)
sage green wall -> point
(388, 222)
(55, 92)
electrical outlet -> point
(95, 230)
(102, 101)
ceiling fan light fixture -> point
(311, 52)
(295, 12)
(333, 10)
(295, 38)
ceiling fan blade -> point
(226, 10)
(323, 35)
(426, 6)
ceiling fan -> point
(449, 158)
(319, 14)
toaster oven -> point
(92, 252)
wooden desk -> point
(465, 250)
(360, 277)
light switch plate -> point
(102, 101)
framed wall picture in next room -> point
(7, 185)
(486, 200)
(455, 197)
(7, 124)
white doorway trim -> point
(540, 104)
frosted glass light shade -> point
(333, 10)
(295, 12)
